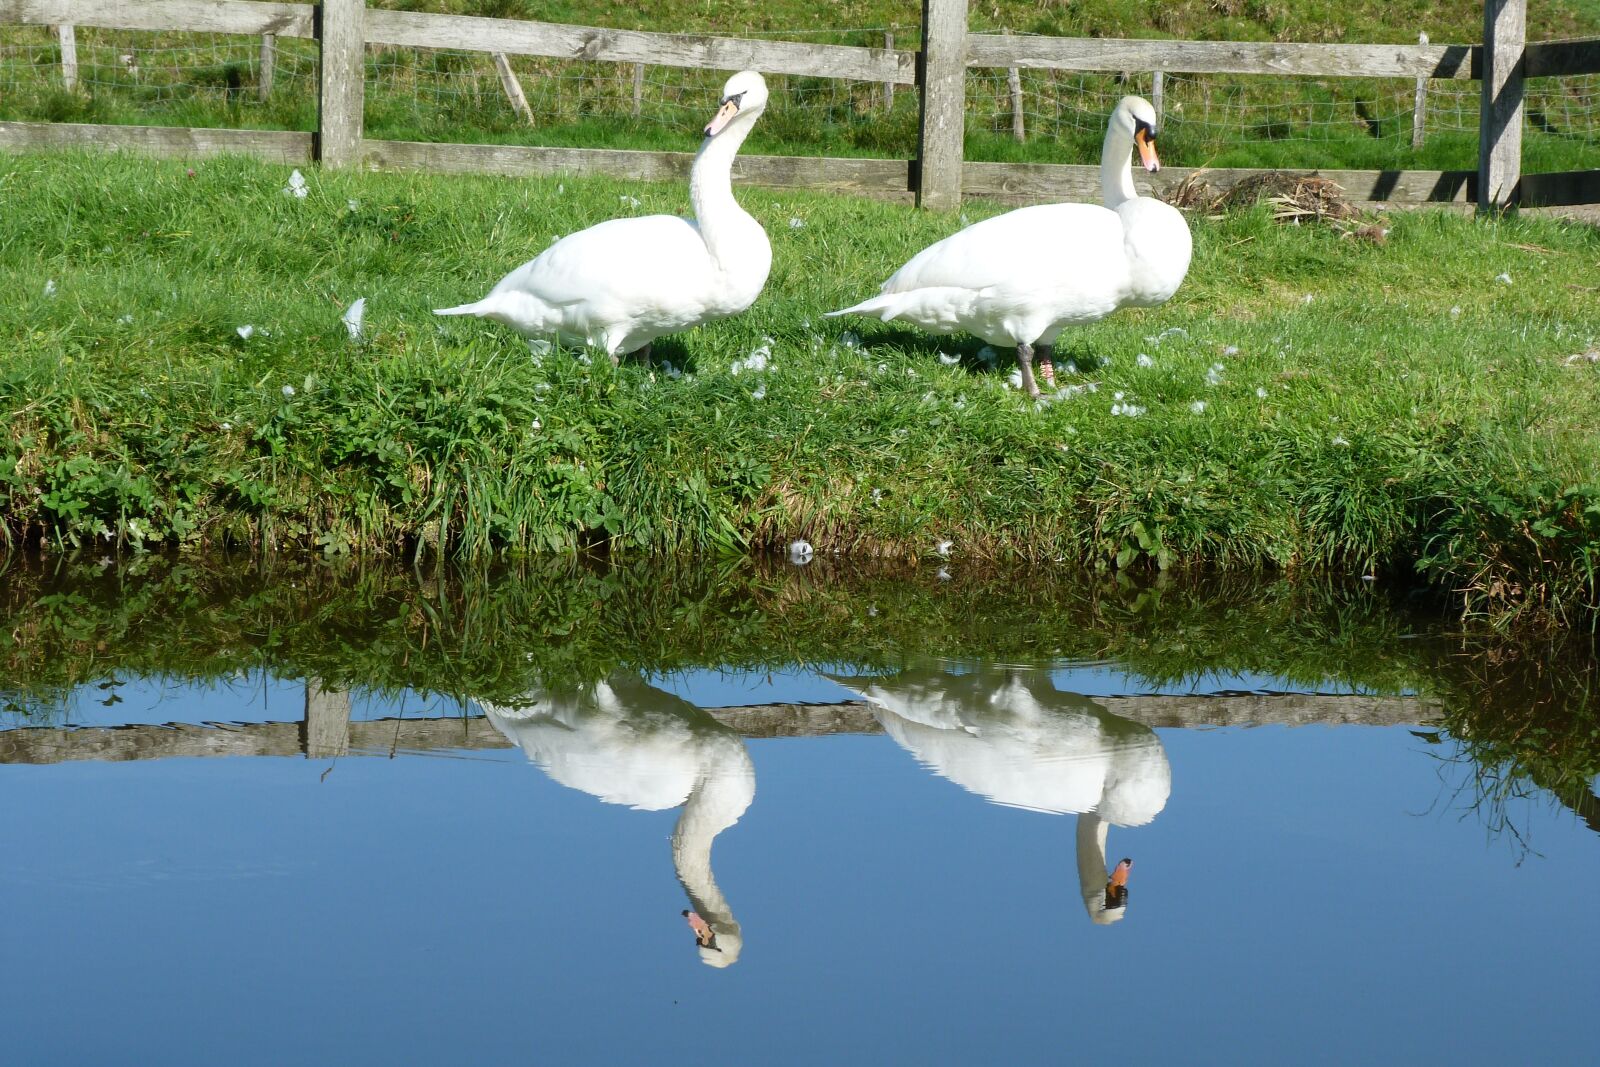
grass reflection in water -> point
(1518, 711)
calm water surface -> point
(496, 867)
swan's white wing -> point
(619, 285)
(619, 739)
(1017, 277)
(651, 261)
(582, 746)
(1024, 248)
(1017, 740)
(1008, 764)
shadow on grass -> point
(672, 350)
(976, 355)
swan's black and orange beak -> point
(725, 112)
(1117, 887)
(1144, 139)
(704, 936)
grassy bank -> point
(178, 374)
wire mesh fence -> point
(1045, 115)
(147, 67)
(1206, 116)
(433, 94)
(139, 76)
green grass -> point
(1371, 428)
(1216, 121)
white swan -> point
(621, 284)
(1022, 277)
(1010, 736)
(627, 742)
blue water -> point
(1311, 894)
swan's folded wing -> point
(1030, 242)
(653, 254)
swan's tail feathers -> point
(884, 307)
(941, 309)
(523, 313)
(474, 308)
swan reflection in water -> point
(1010, 736)
(627, 742)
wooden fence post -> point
(1158, 93)
(888, 87)
(341, 36)
(638, 89)
(942, 75)
(269, 54)
(67, 36)
(326, 727)
(512, 87)
(1014, 87)
(1500, 109)
(1419, 110)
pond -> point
(563, 812)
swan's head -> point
(1105, 895)
(718, 947)
(1137, 119)
(1116, 898)
(745, 95)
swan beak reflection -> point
(704, 936)
(725, 112)
(1117, 887)
(1144, 139)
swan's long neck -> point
(717, 802)
(1116, 167)
(711, 187)
(1092, 874)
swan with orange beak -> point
(1144, 142)
(727, 108)
(621, 284)
(1023, 277)
(1006, 733)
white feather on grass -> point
(353, 316)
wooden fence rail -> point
(420, 29)
(1223, 57)
(938, 177)
(252, 17)
(327, 729)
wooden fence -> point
(937, 178)
(327, 730)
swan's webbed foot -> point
(1046, 355)
(1025, 365)
(642, 355)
